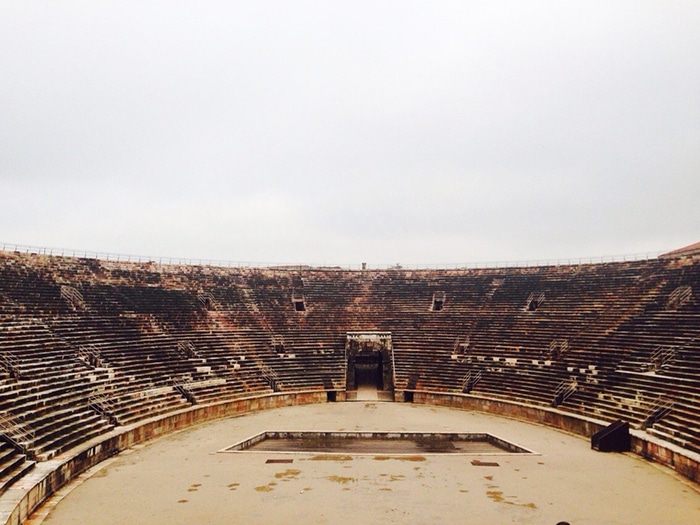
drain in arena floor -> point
(377, 443)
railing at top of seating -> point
(175, 261)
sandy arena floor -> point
(181, 479)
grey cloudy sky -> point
(338, 132)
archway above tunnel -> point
(369, 364)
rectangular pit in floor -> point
(356, 443)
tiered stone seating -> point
(89, 341)
(13, 465)
(658, 348)
(308, 360)
(50, 389)
(419, 354)
(138, 367)
(228, 364)
(29, 287)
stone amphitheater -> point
(103, 362)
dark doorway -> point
(368, 370)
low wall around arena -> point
(683, 461)
(25, 496)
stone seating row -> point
(13, 465)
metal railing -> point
(187, 349)
(679, 297)
(557, 348)
(10, 362)
(19, 433)
(661, 356)
(101, 403)
(565, 389)
(183, 261)
(660, 408)
(182, 385)
(72, 297)
(470, 380)
(270, 376)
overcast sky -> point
(339, 132)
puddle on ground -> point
(288, 474)
(341, 479)
(497, 496)
(266, 488)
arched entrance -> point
(369, 364)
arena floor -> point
(181, 479)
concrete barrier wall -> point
(682, 461)
(36, 487)
(407, 435)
